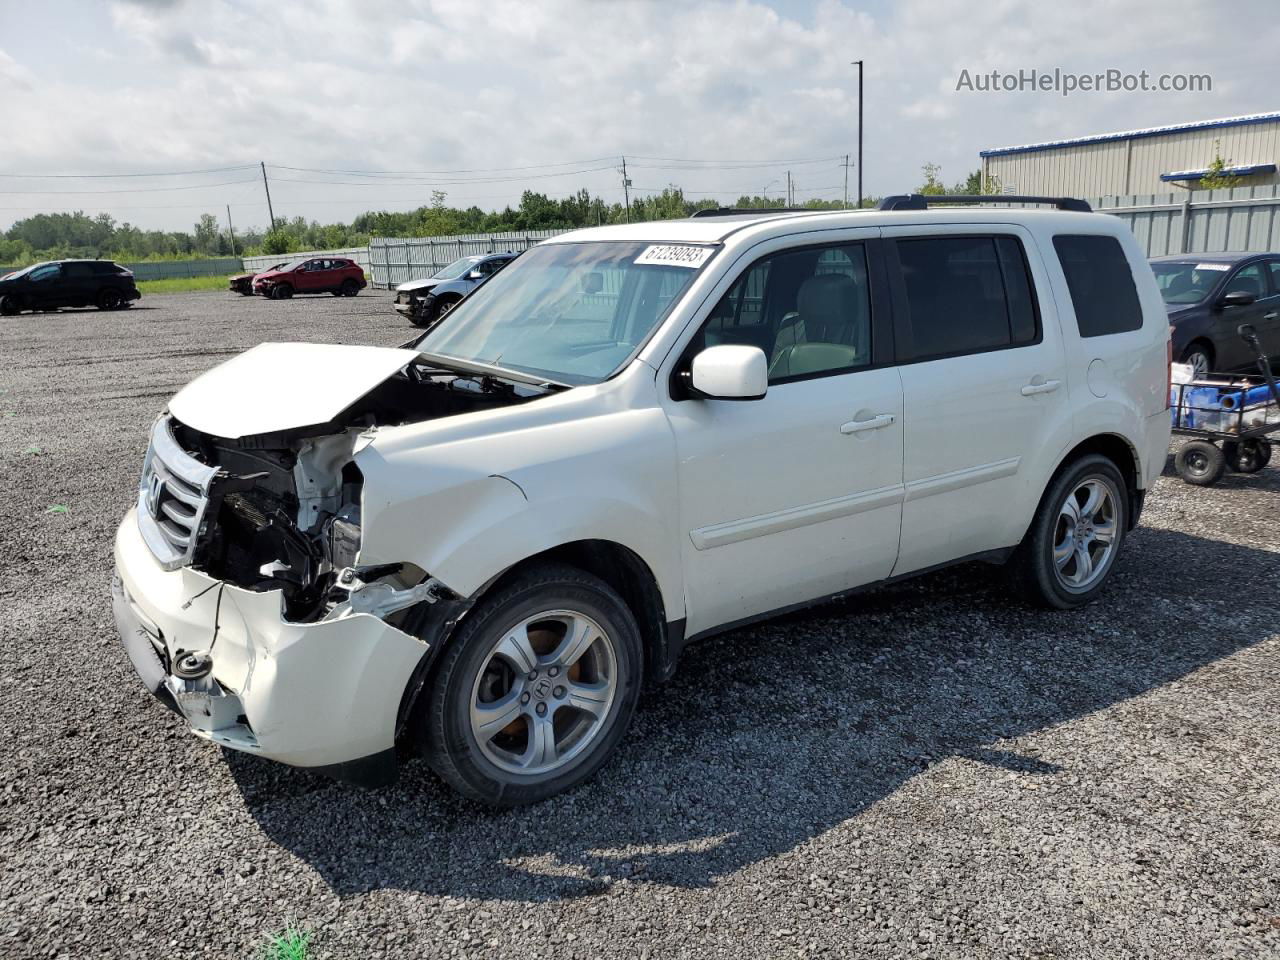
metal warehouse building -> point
(1139, 161)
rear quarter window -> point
(1100, 281)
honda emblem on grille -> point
(155, 486)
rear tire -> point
(1076, 536)
(349, 288)
(110, 299)
(1200, 463)
(516, 712)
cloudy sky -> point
(485, 99)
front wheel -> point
(1199, 357)
(439, 309)
(1200, 463)
(281, 291)
(9, 306)
(535, 690)
(1076, 535)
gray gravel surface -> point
(930, 770)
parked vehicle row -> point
(68, 283)
(479, 546)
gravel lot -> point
(928, 770)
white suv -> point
(478, 547)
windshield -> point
(292, 264)
(25, 270)
(455, 270)
(570, 312)
(1189, 281)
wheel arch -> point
(1119, 451)
(620, 567)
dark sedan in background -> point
(68, 283)
(1209, 295)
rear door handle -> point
(1031, 389)
(875, 423)
(1269, 316)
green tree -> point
(1216, 176)
(932, 185)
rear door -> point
(984, 386)
(79, 285)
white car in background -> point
(478, 547)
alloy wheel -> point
(1085, 536)
(544, 692)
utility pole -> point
(859, 63)
(790, 202)
(846, 181)
(231, 230)
(626, 188)
(271, 213)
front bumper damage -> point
(327, 694)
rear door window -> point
(964, 294)
(1101, 284)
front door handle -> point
(1031, 389)
(875, 423)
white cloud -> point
(450, 84)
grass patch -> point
(181, 284)
(293, 944)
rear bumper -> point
(319, 695)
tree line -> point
(55, 236)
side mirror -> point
(1237, 298)
(475, 275)
(730, 372)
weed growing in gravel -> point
(290, 945)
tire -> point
(1200, 356)
(349, 288)
(440, 308)
(512, 764)
(246, 293)
(1200, 463)
(110, 299)
(9, 307)
(281, 291)
(1246, 456)
(1068, 554)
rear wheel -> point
(1246, 456)
(349, 288)
(1076, 535)
(110, 299)
(535, 690)
(1200, 463)
(1199, 356)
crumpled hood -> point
(283, 386)
(417, 286)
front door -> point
(1232, 352)
(795, 496)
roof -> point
(1136, 134)
(717, 229)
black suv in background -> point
(67, 283)
(1209, 295)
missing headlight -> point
(344, 536)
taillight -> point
(1168, 372)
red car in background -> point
(335, 275)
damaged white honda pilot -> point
(477, 548)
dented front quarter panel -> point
(314, 694)
(468, 497)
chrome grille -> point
(171, 497)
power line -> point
(441, 183)
(191, 186)
(105, 176)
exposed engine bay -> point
(283, 510)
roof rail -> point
(917, 201)
(738, 211)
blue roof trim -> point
(1243, 171)
(1135, 134)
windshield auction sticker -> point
(1213, 266)
(675, 255)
